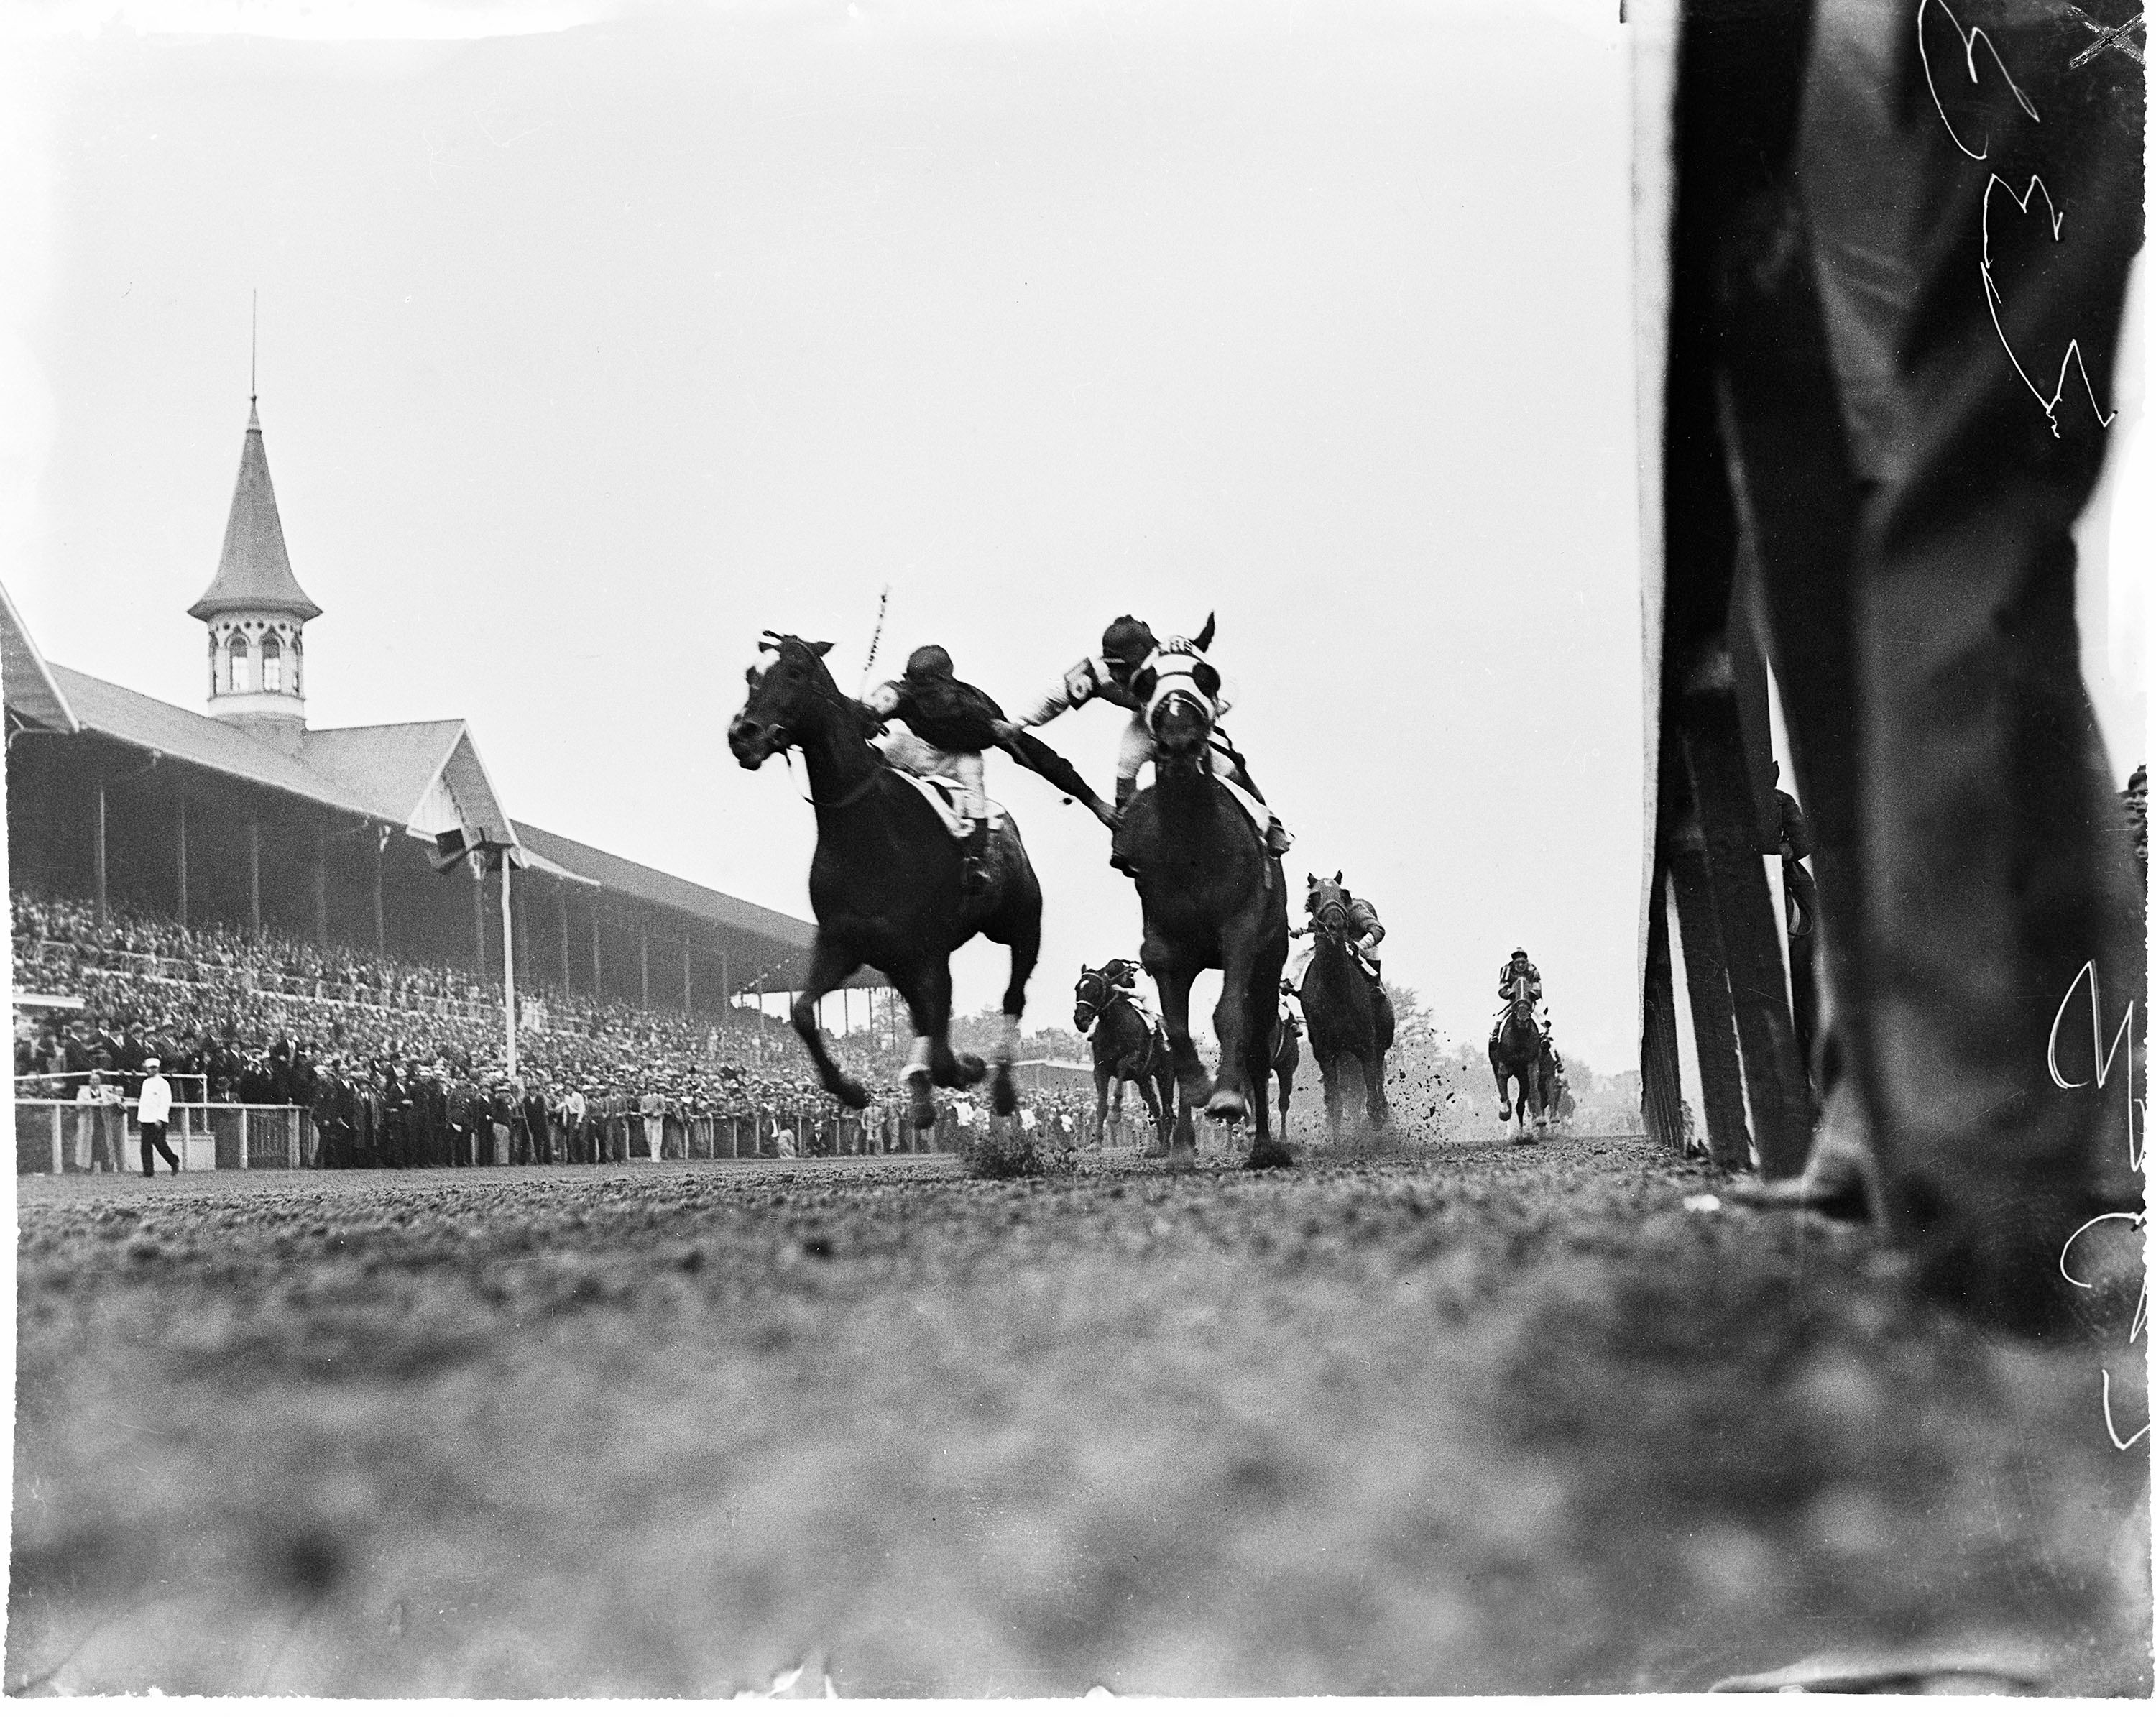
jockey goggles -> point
(1177, 668)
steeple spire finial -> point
(254, 329)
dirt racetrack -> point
(1471, 1418)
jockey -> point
(1290, 1007)
(1125, 647)
(950, 724)
(1123, 976)
(1364, 933)
(1518, 965)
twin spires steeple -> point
(254, 610)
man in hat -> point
(951, 723)
(153, 1111)
(1125, 647)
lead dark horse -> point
(1128, 1049)
(1518, 1051)
(1287, 1056)
(884, 881)
(1214, 898)
(1348, 1012)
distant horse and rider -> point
(1129, 1047)
(1344, 1003)
(1518, 1050)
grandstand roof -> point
(25, 680)
(254, 571)
(658, 888)
(222, 747)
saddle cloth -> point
(941, 794)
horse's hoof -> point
(1003, 1098)
(1227, 1106)
(1183, 1159)
(1271, 1154)
(849, 1093)
(1155, 1151)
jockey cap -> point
(1127, 642)
(932, 662)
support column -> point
(381, 928)
(321, 888)
(182, 845)
(643, 958)
(255, 873)
(599, 972)
(688, 991)
(97, 850)
(508, 969)
(562, 900)
(479, 923)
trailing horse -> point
(1519, 1052)
(1348, 1010)
(1213, 898)
(884, 881)
(1127, 1047)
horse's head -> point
(1520, 998)
(1092, 999)
(1327, 903)
(1180, 692)
(788, 688)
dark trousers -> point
(153, 1138)
(1971, 860)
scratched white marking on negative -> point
(1969, 39)
(1992, 301)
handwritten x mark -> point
(2108, 36)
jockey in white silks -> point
(1127, 647)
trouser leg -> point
(1994, 865)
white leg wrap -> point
(923, 1047)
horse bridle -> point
(782, 737)
(1098, 981)
(1331, 920)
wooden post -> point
(321, 887)
(183, 862)
(255, 873)
(1661, 1096)
(97, 850)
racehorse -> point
(1126, 1046)
(1518, 1050)
(885, 882)
(1213, 898)
(1348, 1011)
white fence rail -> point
(55, 1138)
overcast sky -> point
(587, 354)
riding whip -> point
(876, 638)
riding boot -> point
(1126, 789)
(974, 874)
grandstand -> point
(243, 815)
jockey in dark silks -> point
(1364, 933)
(949, 724)
(1125, 648)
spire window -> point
(272, 663)
(240, 678)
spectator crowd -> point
(402, 1065)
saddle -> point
(942, 795)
